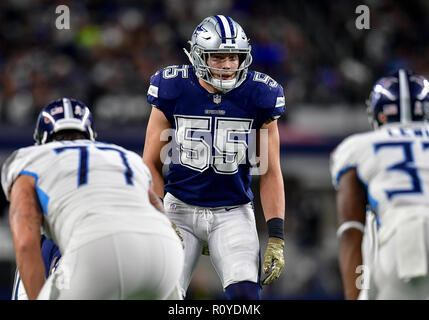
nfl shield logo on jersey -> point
(217, 98)
(172, 207)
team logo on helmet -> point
(78, 110)
(199, 29)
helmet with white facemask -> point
(214, 35)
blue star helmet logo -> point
(199, 29)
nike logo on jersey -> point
(230, 208)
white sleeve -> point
(9, 172)
(343, 158)
(14, 165)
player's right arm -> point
(25, 222)
(153, 146)
(351, 201)
(351, 206)
(163, 90)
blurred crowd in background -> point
(112, 48)
(311, 47)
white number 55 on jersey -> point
(193, 135)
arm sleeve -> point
(163, 92)
(22, 161)
(153, 91)
(343, 158)
(270, 103)
(11, 169)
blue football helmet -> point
(401, 97)
(63, 114)
(219, 34)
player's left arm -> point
(155, 200)
(351, 211)
(273, 202)
(157, 203)
(25, 222)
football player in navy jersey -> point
(215, 110)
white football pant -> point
(230, 233)
(119, 266)
(405, 252)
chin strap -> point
(224, 85)
(188, 54)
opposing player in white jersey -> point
(388, 171)
(95, 201)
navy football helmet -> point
(63, 114)
(401, 97)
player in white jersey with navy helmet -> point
(95, 201)
(386, 171)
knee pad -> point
(245, 290)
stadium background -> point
(313, 48)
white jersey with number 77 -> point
(79, 180)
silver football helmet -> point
(219, 34)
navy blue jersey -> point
(50, 255)
(213, 133)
